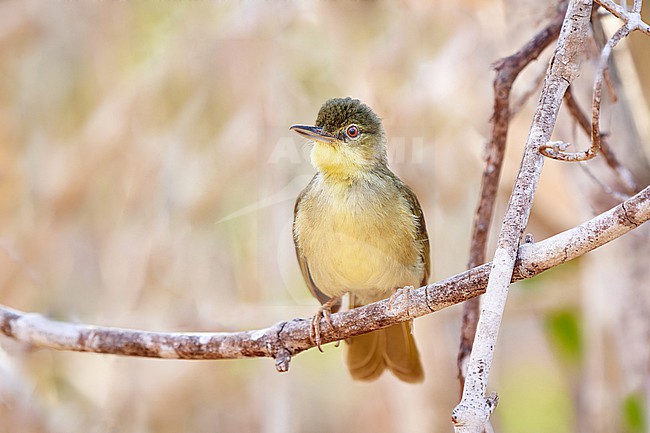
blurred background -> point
(148, 176)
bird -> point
(360, 230)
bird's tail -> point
(393, 348)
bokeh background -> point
(147, 180)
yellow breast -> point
(359, 239)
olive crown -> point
(338, 113)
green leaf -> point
(565, 334)
(634, 416)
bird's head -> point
(348, 139)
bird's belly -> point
(367, 258)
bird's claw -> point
(314, 330)
(324, 312)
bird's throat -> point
(339, 162)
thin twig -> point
(472, 413)
(533, 87)
(555, 150)
(625, 176)
(632, 21)
(507, 70)
(627, 17)
(286, 339)
(606, 188)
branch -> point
(556, 149)
(286, 339)
(632, 19)
(624, 175)
(507, 70)
(474, 410)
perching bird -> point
(359, 229)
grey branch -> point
(285, 339)
(631, 18)
(633, 22)
(507, 70)
(555, 149)
(474, 409)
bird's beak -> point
(315, 133)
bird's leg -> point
(325, 311)
(407, 291)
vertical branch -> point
(474, 410)
(507, 70)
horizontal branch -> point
(286, 339)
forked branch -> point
(632, 21)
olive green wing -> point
(422, 236)
(302, 260)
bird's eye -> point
(352, 131)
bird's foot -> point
(324, 312)
(406, 291)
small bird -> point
(358, 229)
